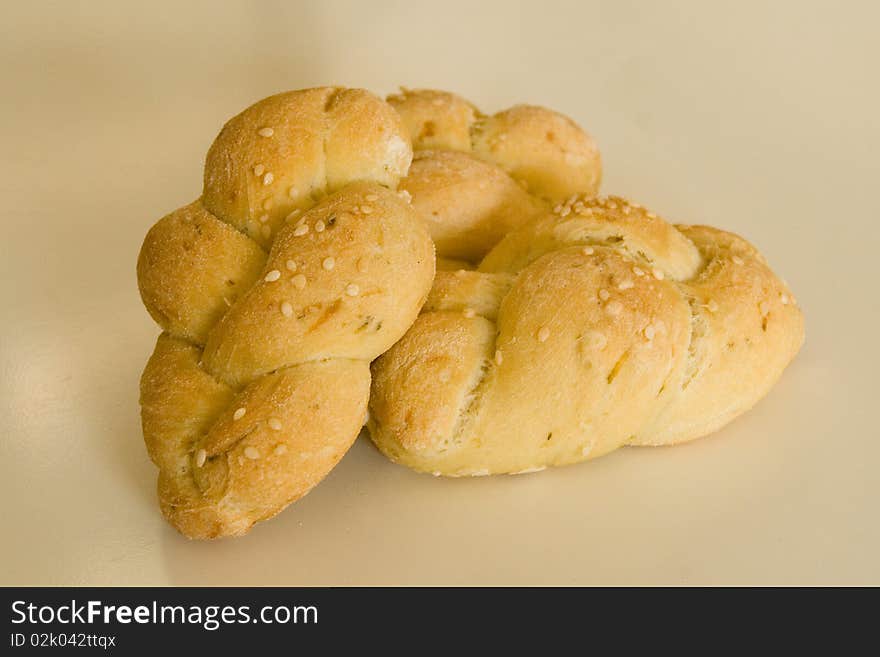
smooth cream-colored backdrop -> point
(758, 117)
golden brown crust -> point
(599, 325)
(476, 178)
(296, 269)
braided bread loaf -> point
(475, 178)
(275, 290)
(591, 327)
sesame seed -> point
(239, 413)
(251, 453)
(273, 275)
(498, 357)
(469, 312)
(264, 218)
(658, 274)
(557, 209)
(626, 209)
(259, 169)
(614, 308)
(366, 209)
(319, 226)
(292, 192)
(201, 455)
(405, 195)
(604, 294)
(268, 178)
(649, 332)
(266, 231)
(361, 265)
(638, 271)
(712, 305)
(292, 215)
(565, 211)
(267, 204)
(299, 281)
(372, 197)
(274, 424)
(625, 285)
(286, 308)
(737, 260)
(265, 132)
(650, 215)
(280, 449)
(352, 290)
(784, 299)
(543, 334)
(301, 230)
(596, 340)
(291, 265)
(588, 250)
(328, 263)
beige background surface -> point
(759, 119)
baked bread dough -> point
(475, 178)
(297, 267)
(593, 326)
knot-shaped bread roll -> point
(297, 267)
(475, 178)
(593, 326)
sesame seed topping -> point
(274, 424)
(301, 230)
(267, 204)
(405, 195)
(292, 192)
(469, 312)
(328, 263)
(265, 132)
(649, 332)
(557, 209)
(565, 211)
(292, 215)
(268, 178)
(264, 218)
(299, 281)
(614, 308)
(737, 260)
(239, 413)
(784, 299)
(273, 275)
(625, 285)
(658, 274)
(604, 294)
(638, 271)
(372, 197)
(319, 226)
(650, 215)
(352, 290)
(712, 305)
(280, 449)
(366, 209)
(498, 357)
(361, 265)
(251, 453)
(201, 455)
(286, 309)
(596, 340)
(259, 169)
(543, 334)
(291, 265)
(266, 231)
(588, 250)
